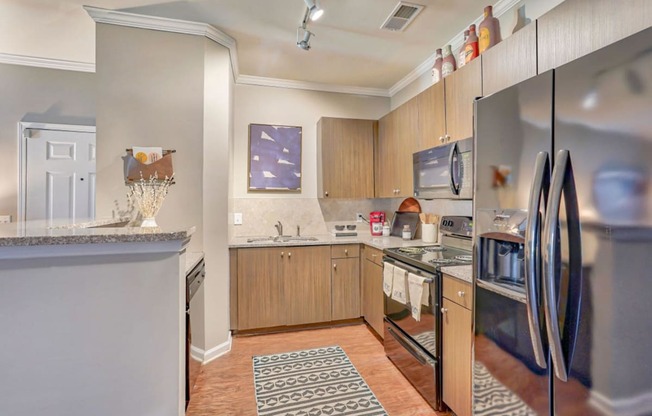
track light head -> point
(314, 11)
(304, 42)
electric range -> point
(412, 343)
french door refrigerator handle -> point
(540, 187)
(562, 180)
(455, 187)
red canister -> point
(376, 220)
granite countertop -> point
(37, 233)
(464, 273)
(329, 239)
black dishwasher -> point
(194, 318)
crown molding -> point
(165, 24)
(500, 8)
(312, 86)
(8, 58)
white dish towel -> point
(418, 291)
(388, 278)
(398, 285)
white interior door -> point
(60, 175)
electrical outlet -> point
(358, 217)
(237, 218)
(5, 219)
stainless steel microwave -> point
(444, 172)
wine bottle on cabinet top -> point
(448, 62)
(471, 46)
(489, 30)
(462, 53)
(436, 68)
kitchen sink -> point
(280, 239)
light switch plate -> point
(237, 218)
(4, 219)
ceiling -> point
(348, 49)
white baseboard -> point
(207, 356)
(626, 406)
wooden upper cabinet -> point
(386, 161)
(577, 27)
(462, 88)
(408, 119)
(345, 162)
(431, 108)
(511, 61)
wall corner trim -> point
(164, 24)
(8, 58)
(313, 86)
(209, 355)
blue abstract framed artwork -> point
(274, 158)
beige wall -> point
(218, 121)
(283, 106)
(533, 9)
(41, 95)
(151, 93)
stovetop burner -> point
(411, 250)
(464, 257)
(435, 249)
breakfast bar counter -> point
(93, 317)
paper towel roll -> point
(429, 233)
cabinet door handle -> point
(326, 193)
(282, 254)
(346, 252)
(460, 293)
(441, 139)
(373, 255)
(444, 310)
(289, 254)
(334, 265)
(448, 138)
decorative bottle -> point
(436, 68)
(462, 52)
(448, 62)
(521, 20)
(489, 30)
(471, 46)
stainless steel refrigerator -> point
(563, 239)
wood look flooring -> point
(225, 386)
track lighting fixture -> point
(303, 41)
(314, 11)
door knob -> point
(444, 310)
(460, 294)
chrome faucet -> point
(279, 228)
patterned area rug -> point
(316, 382)
(491, 398)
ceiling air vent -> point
(402, 15)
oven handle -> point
(428, 277)
(408, 347)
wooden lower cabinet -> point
(372, 289)
(307, 285)
(280, 286)
(457, 333)
(261, 288)
(345, 283)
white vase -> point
(149, 222)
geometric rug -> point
(316, 382)
(492, 398)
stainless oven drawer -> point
(415, 364)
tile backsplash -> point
(317, 216)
